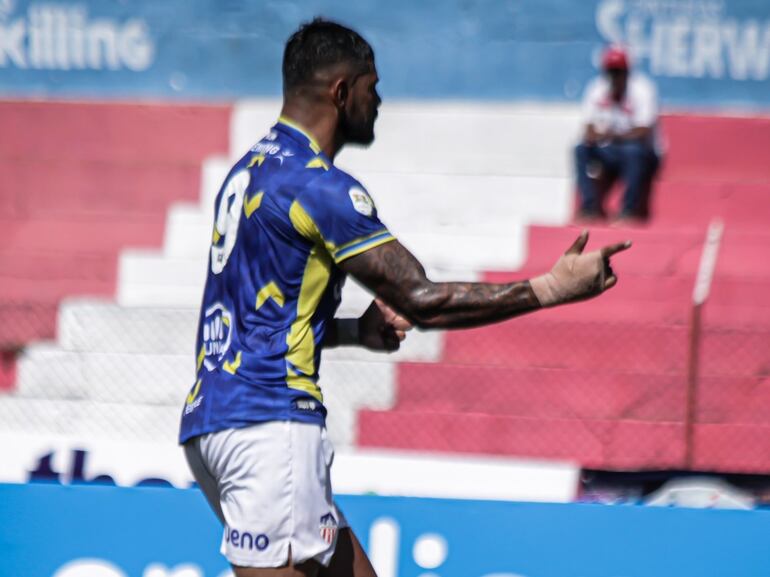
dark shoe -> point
(588, 216)
(629, 219)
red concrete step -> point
(69, 188)
(7, 369)
(80, 181)
(734, 400)
(539, 393)
(742, 254)
(735, 352)
(35, 276)
(732, 315)
(594, 443)
(564, 393)
(743, 205)
(84, 233)
(663, 299)
(530, 342)
(32, 282)
(732, 447)
(22, 322)
(654, 299)
(112, 132)
(656, 252)
(702, 148)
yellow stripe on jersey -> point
(270, 291)
(252, 204)
(362, 245)
(306, 226)
(302, 383)
(300, 340)
(194, 393)
(232, 367)
(201, 356)
(317, 162)
(257, 159)
(313, 143)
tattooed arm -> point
(394, 274)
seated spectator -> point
(619, 141)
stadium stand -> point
(604, 382)
(601, 383)
(81, 181)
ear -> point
(340, 92)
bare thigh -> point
(305, 569)
(349, 560)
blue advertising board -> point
(701, 52)
(76, 531)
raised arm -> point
(395, 275)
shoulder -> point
(334, 197)
(596, 88)
(335, 187)
(641, 85)
(334, 181)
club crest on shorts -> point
(328, 528)
(362, 202)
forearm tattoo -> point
(394, 274)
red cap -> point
(615, 58)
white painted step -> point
(250, 121)
(445, 137)
(121, 421)
(412, 202)
(46, 371)
(91, 325)
(213, 173)
(138, 380)
(104, 327)
(149, 278)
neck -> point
(318, 121)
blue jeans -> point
(633, 161)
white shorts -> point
(269, 484)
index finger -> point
(611, 249)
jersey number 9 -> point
(227, 219)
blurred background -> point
(119, 121)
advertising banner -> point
(87, 531)
(710, 53)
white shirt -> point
(639, 107)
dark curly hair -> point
(318, 45)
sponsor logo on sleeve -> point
(362, 202)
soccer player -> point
(289, 226)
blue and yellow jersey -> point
(284, 218)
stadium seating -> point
(605, 382)
(477, 192)
(78, 183)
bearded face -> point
(360, 112)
